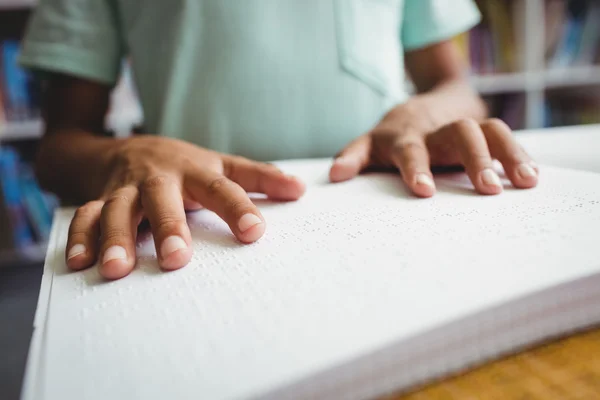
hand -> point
(157, 178)
(401, 140)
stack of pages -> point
(356, 290)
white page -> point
(344, 271)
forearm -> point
(74, 164)
(447, 102)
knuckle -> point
(232, 164)
(217, 184)
(271, 168)
(80, 236)
(410, 146)
(236, 165)
(495, 124)
(239, 160)
(231, 169)
(117, 199)
(410, 166)
(464, 125)
(168, 222)
(240, 207)
(89, 210)
(155, 182)
(115, 235)
(480, 159)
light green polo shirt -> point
(267, 79)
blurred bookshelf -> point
(25, 210)
(530, 58)
(535, 62)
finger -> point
(352, 160)
(263, 178)
(503, 146)
(190, 205)
(468, 138)
(118, 226)
(230, 201)
(411, 157)
(163, 206)
(84, 232)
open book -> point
(356, 290)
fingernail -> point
(526, 171)
(424, 179)
(248, 221)
(489, 177)
(75, 251)
(534, 165)
(171, 244)
(114, 253)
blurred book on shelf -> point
(572, 107)
(572, 33)
(29, 210)
(571, 30)
(491, 46)
(509, 107)
(20, 93)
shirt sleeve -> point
(426, 22)
(79, 38)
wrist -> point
(76, 164)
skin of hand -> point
(158, 178)
(443, 124)
(398, 142)
(121, 182)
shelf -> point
(33, 254)
(500, 83)
(16, 4)
(547, 79)
(12, 131)
(573, 76)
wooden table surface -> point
(565, 369)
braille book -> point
(356, 290)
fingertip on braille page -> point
(172, 244)
(114, 253)
(343, 168)
(174, 253)
(114, 263)
(248, 221)
(526, 171)
(424, 179)
(299, 188)
(251, 228)
(490, 178)
(292, 179)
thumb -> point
(352, 160)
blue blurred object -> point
(9, 180)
